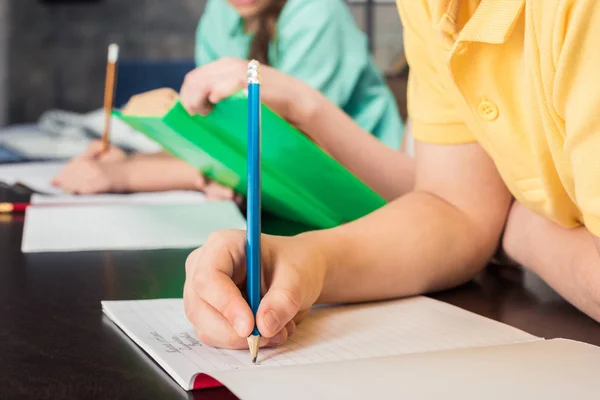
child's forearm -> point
(389, 172)
(435, 237)
(414, 245)
(565, 258)
(157, 172)
(159, 155)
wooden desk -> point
(56, 343)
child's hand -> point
(89, 176)
(205, 86)
(293, 272)
(216, 191)
(94, 151)
(93, 171)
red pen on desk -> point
(6, 208)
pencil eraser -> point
(113, 53)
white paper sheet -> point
(331, 336)
(55, 228)
(36, 176)
(555, 369)
(168, 197)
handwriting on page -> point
(329, 334)
(181, 341)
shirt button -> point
(487, 110)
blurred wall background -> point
(3, 61)
(57, 52)
(387, 30)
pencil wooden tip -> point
(253, 344)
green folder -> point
(300, 182)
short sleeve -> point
(577, 98)
(434, 117)
(312, 46)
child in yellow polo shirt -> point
(505, 106)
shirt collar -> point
(492, 21)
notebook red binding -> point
(203, 381)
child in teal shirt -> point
(315, 41)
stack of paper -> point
(36, 176)
(31, 142)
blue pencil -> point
(253, 273)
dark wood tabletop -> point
(55, 342)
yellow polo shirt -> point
(522, 78)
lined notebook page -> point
(329, 334)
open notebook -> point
(111, 224)
(330, 340)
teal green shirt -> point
(318, 42)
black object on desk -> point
(14, 194)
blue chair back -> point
(138, 76)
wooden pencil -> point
(109, 93)
(253, 267)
